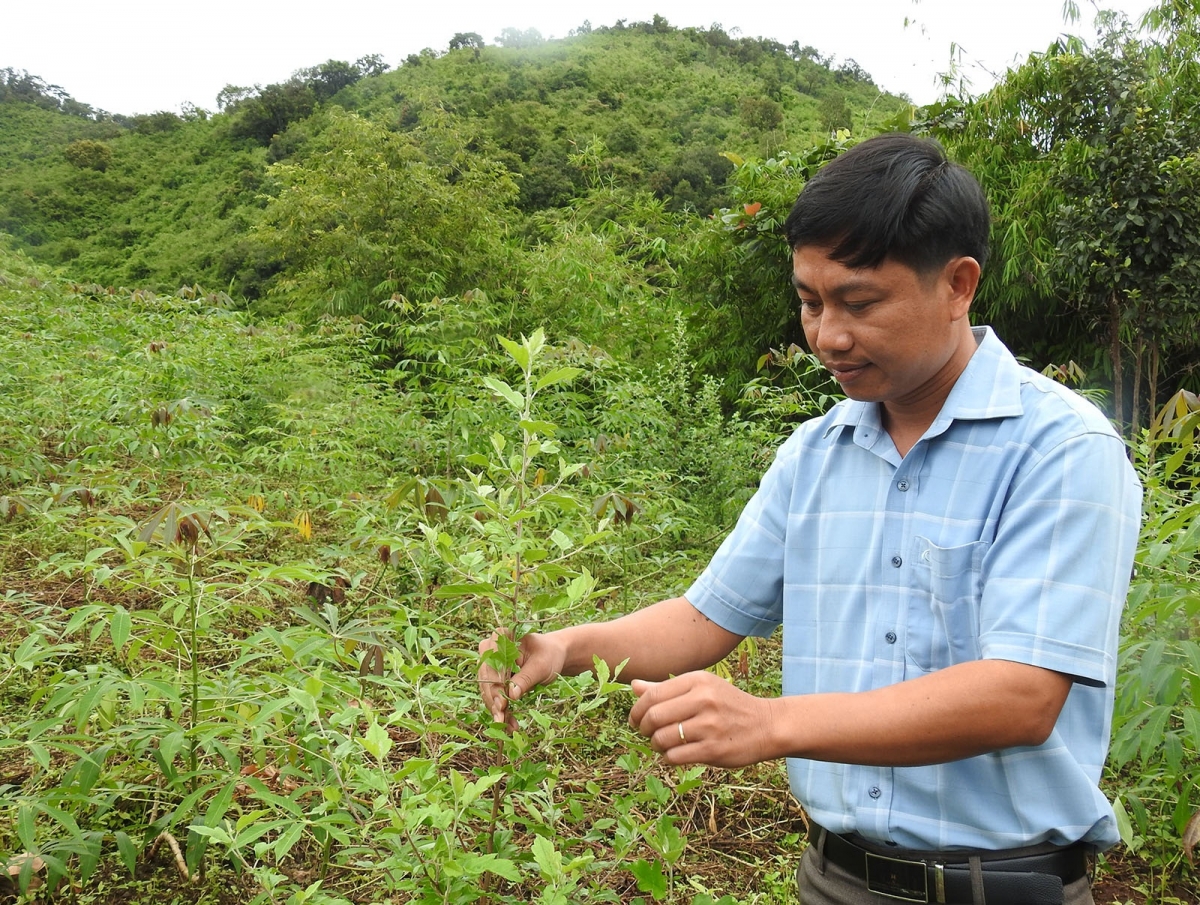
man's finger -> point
(515, 689)
(640, 686)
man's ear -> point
(960, 280)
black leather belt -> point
(1011, 878)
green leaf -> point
(25, 828)
(266, 796)
(458, 784)
(650, 877)
(535, 342)
(558, 375)
(1191, 722)
(507, 393)
(39, 753)
(473, 589)
(518, 352)
(87, 770)
(548, 858)
(474, 865)
(581, 585)
(1124, 824)
(217, 833)
(88, 855)
(602, 672)
(471, 791)
(119, 627)
(30, 651)
(287, 839)
(377, 741)
(219, 805)
(128, 851)
(308, 704)
(1153, 731)
(538, 427)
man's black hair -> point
(892, 196)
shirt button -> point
(902, 485)
(890, 637)
(897, 561)
(875, 791)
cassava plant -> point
(527, 526)
(1156, 725)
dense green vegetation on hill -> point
(300, 394)
(621, 141)
(665, 102)
(171, 199)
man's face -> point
(887, 333)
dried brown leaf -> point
(372, 661)
(14, 867)
(1191, 835)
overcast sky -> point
(140, 56)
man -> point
(948, 552)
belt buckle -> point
(897, 878)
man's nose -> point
(833, 331)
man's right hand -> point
(540, 660)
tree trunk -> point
(1135, 402)
(1153, 380)
(1114, 352)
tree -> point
(330, 77)
(520, 40)
(1089, 157)
(851, 71)
(835, 112)
(466, 39)
(276, 106)
(19, 85)
(150, 123)
(88, 155)
(1129, 233)
(760, 114)
(231, 95)
(371, 64)
(371, 216)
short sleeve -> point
(741, 590)
(1055, 577)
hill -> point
(160, 200)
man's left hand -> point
(699, 718)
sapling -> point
(516, 552)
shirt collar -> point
(989, 387)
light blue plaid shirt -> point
(1007, 532)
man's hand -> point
(539, 660)
(699, 718)
(668, 637)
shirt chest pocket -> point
(943, 606)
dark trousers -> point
(823, 883)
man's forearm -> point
(959, 712)
(969, 709)
(662, 640)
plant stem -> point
(194, 614)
